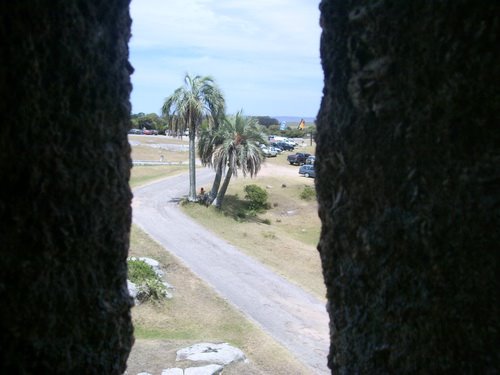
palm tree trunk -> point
(222, 191)
(215, 185)
(192, 166)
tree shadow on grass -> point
(239, 210)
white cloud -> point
(251, 48)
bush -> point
(152, 289)
(139, 271)
(308, 193)
(257, 197)
(149, 284)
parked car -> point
(135, 131)
(307, 170)
(284, 146)
(290, 142)
(277, 149)
(268, 152)
(150, 132)
(299, 158)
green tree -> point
(239, 138)
(267, 121)
(199, 98)
(149, 121)
(210, 138)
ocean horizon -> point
(294, 118)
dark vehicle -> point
(150, 132)
(135, 131)
(284, 146)
(299, 158)
(307, 170)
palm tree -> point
(237, 149)
(210, 138)
(197, 99)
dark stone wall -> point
(408, 184)
(64, 196)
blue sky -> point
(263, 54)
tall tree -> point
(210, 138)
(197, 99)
(239, 150)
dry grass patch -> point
(143, 174)
(288, 244)
(141, 152)
(196, 314)
(155, 139)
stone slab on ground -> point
(222, 354)
(173, 371)
(204, 370)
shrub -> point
(139, 271)
(308, 193)
(269, 235)
(149, 284)
(151, 289)
(257, 197)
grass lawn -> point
(143, 174)
(196, 314)
(144, 152)
(155, 139)
(287, 244)
(285, 237)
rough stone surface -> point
(204, 370)
(173, 371)
(64, 198)
(222, 354)
(132, 291)
(408, 185)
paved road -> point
(293, 317)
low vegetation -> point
(196, 314)
(139, 271)
(257, 197)
(284, 236)
(144, 174)
(149, 285)
(308, 193)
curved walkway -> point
(293, 317)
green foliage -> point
(267, 121)
(257, 197)
(293, 133)
(290, 132)
(139, 271)
(273, 129)
(151, 289)
(187, 107)
(149, 284)
(149, 121)
(308, 193)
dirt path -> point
(293, 317)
